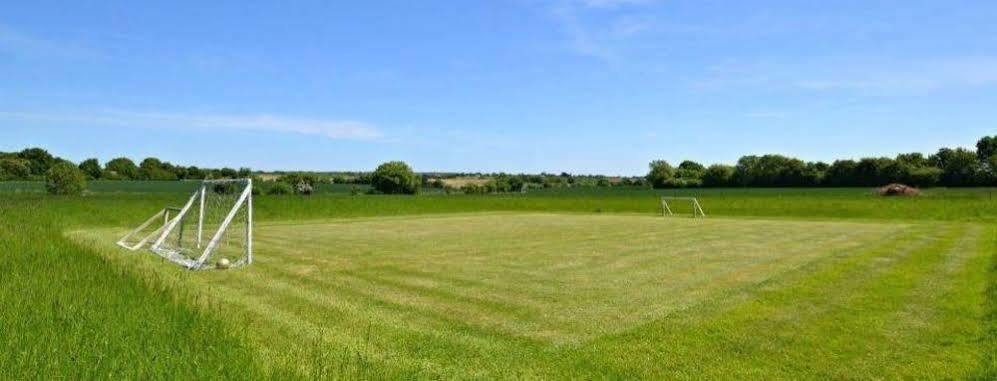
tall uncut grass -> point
(68, 314)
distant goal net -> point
(214, 228)
(672, 206)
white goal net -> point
(214, 228)
(671, 206)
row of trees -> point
(504, 182)
(957, 167)
(33, 163)
(946, 167)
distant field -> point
(538, 295)
(462, 181)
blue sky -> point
(584, 86)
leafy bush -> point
(395, 177)
(472, 188)
(959, 167)
(121, 168)
(91, 168)
(228, 173)
(64, 178)
(682, 183)
(659, 174)
(303, 188)
(769, 171)
(718, 175)
(279, 188)
(14, 169)
(39, 160)
(297, 178)
(153, 169)
(986, 148)
(226, 188)
(690, 170)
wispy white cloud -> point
(333, 129)
(595, 28)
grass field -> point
(810, 284)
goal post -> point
(692, 202)
(213, 228)
(142, 232)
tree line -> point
(34, 163)
(952, 167)
(955, 167)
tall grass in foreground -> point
(68, 314)
(990, 359)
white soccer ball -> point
(223, 264)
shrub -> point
(228, 173)
(660, 172)
(121, 168)
(39, 160)
(64, 178)
(303, 188)
(718, 175)
(923, 176)
(297, 178)
(279, 188)
(153, 169)
(91, 168)
(226, 188)
(395, 177)
(14, 169)
(682, 183)
(986, 147)
(472, 188)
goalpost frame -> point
(162, 213)
(697, 209)
(123, 242)
(245, 200)
(245, 197)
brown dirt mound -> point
(897, 190)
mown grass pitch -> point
(545, 295)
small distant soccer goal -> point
(682, 205)
(214, 228)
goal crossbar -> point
(697, 209)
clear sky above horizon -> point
(583, 86)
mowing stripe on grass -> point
(602, 296)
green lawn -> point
(512, 295)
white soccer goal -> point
(214, 228)
(692, 202)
